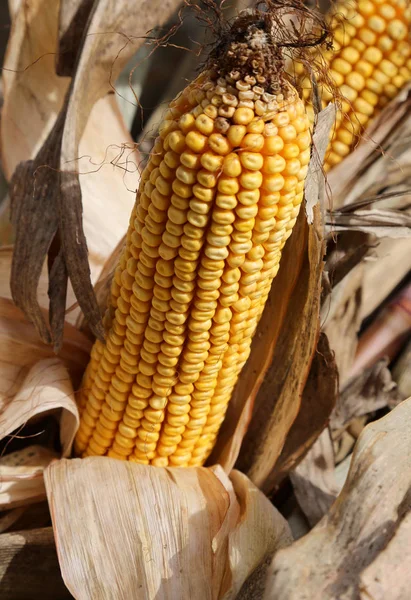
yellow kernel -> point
(274, 164)
(291, 151)
(372, 55)
(190, 160)
(204, 124)
(186, 122)
(356, 81)
(219, 144)
(206, 178)
(251, 160)
(273, 144)
(253, 141)
(210, 161)
(251, 180)
(397, 29)
(195, 141)
(177, 141)
(388, 68)
(248, 197)
(235, 134)
(228, 185)
(363, 107)
(232, 165)
(273, 183)
(341, 66)
(243, 116)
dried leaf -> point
(279, 398)
(21, 476)
(315, 182)
(329, 562)
(381, 223)
(61, 232)
(73, 17)
(318, 400)
(20, 348)
(383, 274)
(389, 573)
(313, 480)
(341, 320)
(371, 390)
(402, 373)
(164, 533)
(47, 387)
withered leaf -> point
(104, 56)
(73, 17)
(318, 400)
(367, 392)
(313, 480)
(328, 562)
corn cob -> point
(369, 64)
(217, 201)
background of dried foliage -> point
(320, 422)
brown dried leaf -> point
(329, 562)
(341, 319)
(388, 575)
(369, 391)
(279, 398)
(73, 17)
(381, 223)
(318, 400)
(158, 533)
(313, 480)
(384, 272)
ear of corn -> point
(217, 201)
(369, 64)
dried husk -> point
(158, 533)
(331, 561)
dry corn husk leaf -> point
(313, 480)
(387, 223)
(389, 573)
(369, 391)
(109, 164)
(318, 400)
(331, 561)
(21, 476)
(158, 533)
(389, 257)
(46, 387)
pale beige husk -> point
(129, 531)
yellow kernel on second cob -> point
(372, 42)
(216, 203)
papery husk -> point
(158, 532)
(46, 389)
(332, 561)
(21, 476)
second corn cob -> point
(369, 64)
(217, 201)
